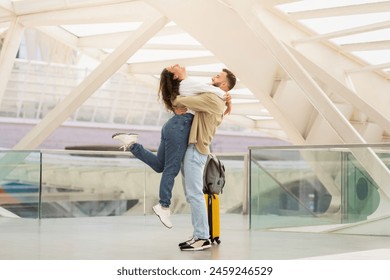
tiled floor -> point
(144, 238)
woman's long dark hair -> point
(169, 88)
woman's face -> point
(177, 71)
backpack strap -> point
(206, 189)
(221, 171)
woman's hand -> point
(228, 102)
(228, 108)
(227, 97)
(180, 110)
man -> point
(167, 158)
(209, 111)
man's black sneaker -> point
(196, 245)
(190, 240)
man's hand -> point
(180, 111)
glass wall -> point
(318, 185)
(20, 182)
(83, 183)
(280, 187)
(91, 183)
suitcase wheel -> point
(216, 239)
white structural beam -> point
(174, 47)
(33, 6)
(336, 86)
(103, 41)
(87, 87)
(60, 35)
(156, 67)
(299, 74)
(367, 46)
(241, 120)
(170, 30)
(3, 32)
(280, 2)
(252, 109)
(8, 53)
(69, 39)
(367, 158)
(6, 7)
(344, 32)
(369, 68)
(244, 59)
(112, 40)
(4, 20)
(124, 12)
(377, 7)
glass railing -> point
(297, 186)
(58, 184)
(346, 186)
(20, 183)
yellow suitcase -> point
(212, 203)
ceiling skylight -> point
(349, 27)
(81, 30)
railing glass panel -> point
(83, 183)
(297, 186)
(20, 177)
(361, 195)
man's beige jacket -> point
(208, 109)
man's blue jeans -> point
(192, 171)
(170, 153)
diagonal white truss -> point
(50, 17)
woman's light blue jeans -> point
(170, 153)
(192, 172)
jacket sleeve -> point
(205, 102)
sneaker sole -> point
(184, 243)
(196, 249)
(160, 219)
(122, 133)
(116, 134)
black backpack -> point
(213, 175)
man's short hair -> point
(231, 78)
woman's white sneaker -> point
(127, 139)
(163, 214)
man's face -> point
(178, 71)
(219, 80)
